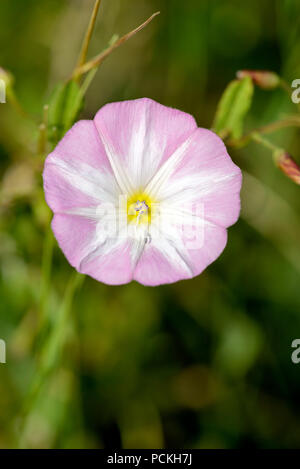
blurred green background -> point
(204, 363)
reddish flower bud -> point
(263, 78)
(287, 165)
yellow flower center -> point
(139, 209)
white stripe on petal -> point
(91, 213)
(182, 214)
(137, 248)
(167, 169)
(102, 243)
(86, 179)
(167, 237)
(184, 189)
(119, 173)
(145, 150)
(175, 253)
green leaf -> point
(233, 107)
(73, 105)
(65, 105)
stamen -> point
(142, 208)
(139, 210)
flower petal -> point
(107, 260)
(79, 184)
(167, 262)
(136, 145)
(113, 267)
(77, 173)
(140, 135)
(200, 198)
(74, 235)
(206, 176)
(159, 264)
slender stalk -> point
(266, 143)
(96, 61)
(87, 38)
(290, 121)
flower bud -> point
(287, 165)
(262, 78)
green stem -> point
(290, 121)
(96, 61)
(87, 39)
(266, 143)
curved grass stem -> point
(96, 61)
(290, 121)
(87, 39)
(256, 137)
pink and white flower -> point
(141, 193)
